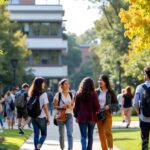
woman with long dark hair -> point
(108, 104)
(86, 107)
(127, 105)
(64, 103)
(40, 123)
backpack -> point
(145, 103)
(33, 106)
(20, 101)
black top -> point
(127, 101)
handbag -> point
(59, 116)
(101, 115)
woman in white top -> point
(63, 101)
(40, 123)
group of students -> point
(89, 107)
(11, 112)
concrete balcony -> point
(47, 43)
(36, 12)
(49, 71)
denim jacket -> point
(111, 100)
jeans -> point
(86, 130)
(145, 131)
(69, 127)
(39, 125)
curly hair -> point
(85, 87)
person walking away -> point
(119, 99)
(108, 104)
(141, 102)
(86, 107)
(50, 99)
(127, 105)
(64, 103)
(21, 105)
(10, 112)
(40, 122)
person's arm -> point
(76, 107)
(47, 113)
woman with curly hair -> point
(86, 107)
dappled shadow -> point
(123, 139)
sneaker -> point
(127, 125)
(39, 146)
(21, 133)
(21, 130)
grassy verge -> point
(13, 140)
(127, 139)
(119, 118)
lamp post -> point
(14, 63)
(119, 73)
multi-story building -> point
(43, 25)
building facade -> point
(43, 25)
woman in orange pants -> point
(108, 104)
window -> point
(54, 58)
(54, 27)
(44, 29)
(14, 1)
(36, 29)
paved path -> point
(52, 138)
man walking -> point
(21, 105)
(141, 103)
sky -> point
(77, 15)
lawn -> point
(119, 118)
(13, 140)
(127, 139)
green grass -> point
(127, 139)
(13, 140)
(119, 118)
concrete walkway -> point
(53, 143)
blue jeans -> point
(69, 127)
(39, 125)
(86, 130)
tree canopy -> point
(12, 42)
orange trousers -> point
(105, 132)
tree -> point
(12, 42)
(113, 45)
(137, 24)
(73, 57)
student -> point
(138, 102)
(40, 123)
(64, 103)
(108, 104)
(86, 106)
(127, 105)
(22, 113)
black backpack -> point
(20, 101)
(33, 106)
(145, 103)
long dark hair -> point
(85, 87)
(36, 87)
(106, 80)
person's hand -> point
(76, 120)
(48, 122)
(107, 107)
